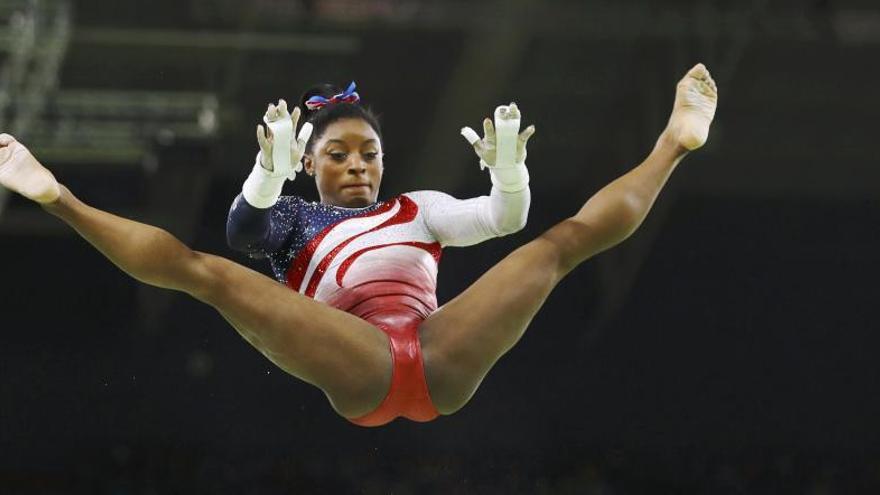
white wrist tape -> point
(262, 188)
(508, 179)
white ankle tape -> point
(262, 188)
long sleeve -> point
(255, 231)
(457, 222)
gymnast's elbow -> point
(511, 225)
(510, 211)
(234, 239)
(241, 245)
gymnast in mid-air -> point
(355, 312)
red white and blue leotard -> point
(378, 262)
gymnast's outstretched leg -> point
(463, 339)
(343, 355)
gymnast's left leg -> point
(463, 339)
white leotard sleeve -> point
(464, 222)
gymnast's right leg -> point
(346, 357)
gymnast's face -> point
(346, 161)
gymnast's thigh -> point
(345, 356)
(464, 338)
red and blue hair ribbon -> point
(348, 96)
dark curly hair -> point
(323, 117)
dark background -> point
(729, 346)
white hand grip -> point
(282, 133)
(506, 132)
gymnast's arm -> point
(255, 230)
(258, 220)
(457, 222)
(503, 151)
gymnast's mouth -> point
(355, 185)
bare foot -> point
(696, 98)
(22, 173)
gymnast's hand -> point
(282, 125)
(504, 148)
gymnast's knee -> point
(451, 382)
(450, 400)
(204, 276)
(563, 244)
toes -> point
(699, 80)
(700, 74)
(712, 84)
(700, 88)
(6, 139)
(707, 87)
(698, 71)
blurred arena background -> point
(729, 347)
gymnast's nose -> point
(357, 165)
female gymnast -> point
(361, 321)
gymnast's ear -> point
(309, 165)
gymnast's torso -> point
(359, 260)
(381, 257)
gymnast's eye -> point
(372, 155)
(338, 156)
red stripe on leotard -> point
(408, 211)
(297, 271)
